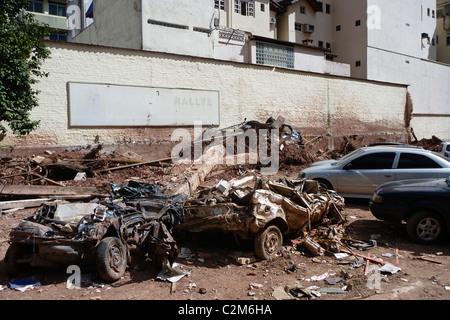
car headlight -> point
(377, 198)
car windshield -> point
(348, 156)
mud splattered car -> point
(138, 218)
(256, 208)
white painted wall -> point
(402, 23)
(313, 103)
(428, 85)
(189, 14)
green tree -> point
(21, 55)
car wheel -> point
(324, 184)
(111, 259)
(268, 242)
(425, 227)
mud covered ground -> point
(216, 276)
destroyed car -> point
(256, 208)
(138, 218)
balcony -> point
(54, 22)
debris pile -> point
(428, 144)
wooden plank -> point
(29, 203)
(135, 165)
(50, 190)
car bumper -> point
(386, 212)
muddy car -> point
(138, 219)
(256, 208)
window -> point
(432, 13)
(273, 55)
(320, 6)
(358, 63)
(35, 6)
(328, 8)
(57, 9)
(202, 30)
(298, 26)
(166, 24)
(58, 37)
(338, 28)
(428, 12)
(321, 44)
(448, 39)
(263, 7)
(416, 161)
(244, 8)
(302, 10)
(219, 4)
(328, 46)
(382, 160)
(357, 23)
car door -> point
(361, 176)
(416, 166)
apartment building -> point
(443, 31)
(401, 41)
(65, 18)
(240, 30)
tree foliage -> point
(21, 55)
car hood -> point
(323, 162)
(414, 185)
(320, 167)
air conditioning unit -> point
(273, 20)
(308, 28)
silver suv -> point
(361, 172)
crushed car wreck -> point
(138, 217)
(256, 208)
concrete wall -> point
(313, 103)
(118, 25)
(428, 85)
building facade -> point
(443, 31)
(65, 18)
(365, 39)
(239, 31)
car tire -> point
(324, 184)
(425, 227)
(111, 259)
(268, 242)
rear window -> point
(416, 161)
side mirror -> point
(348, 166)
